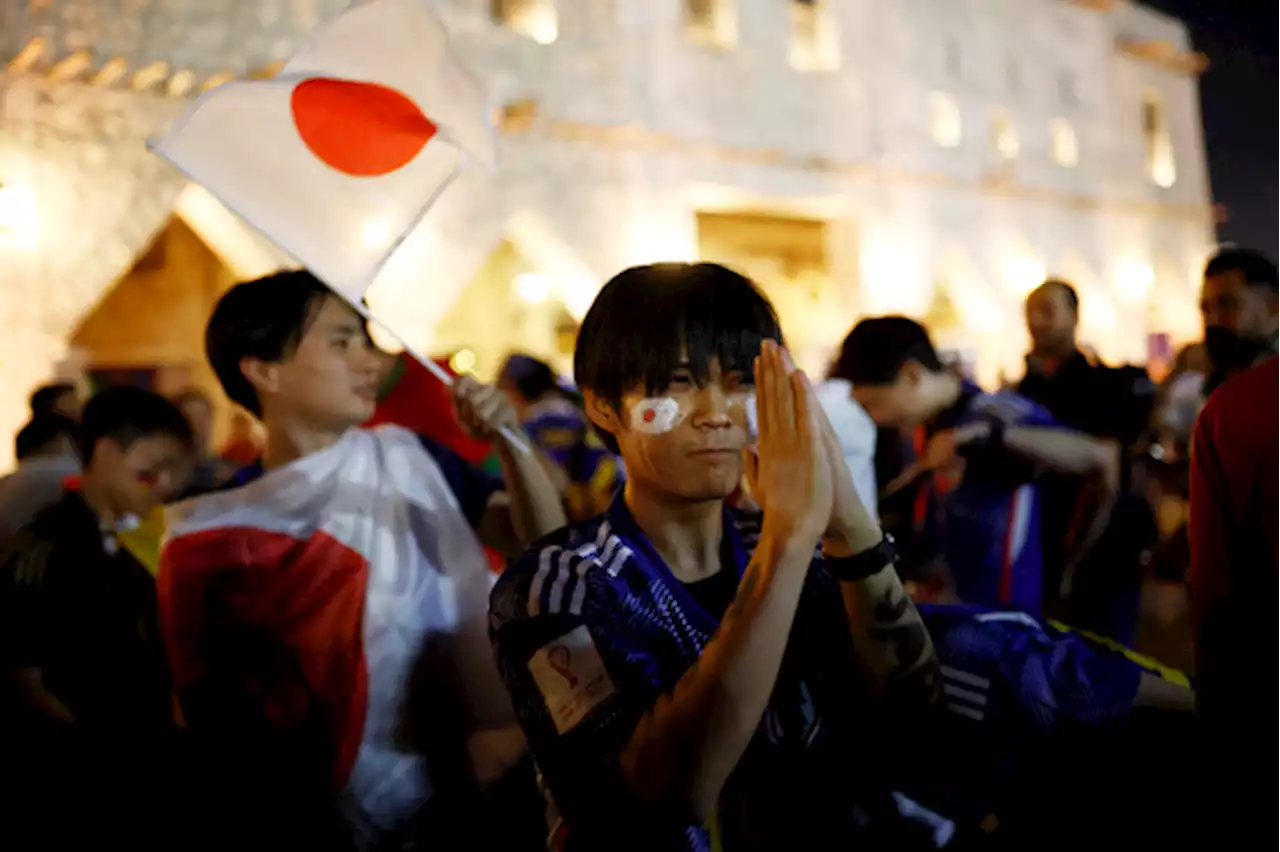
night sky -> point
(1239, 100)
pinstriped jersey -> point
(590, 629)
(988, 526)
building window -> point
(1013, 76)
(535, 19)
(953, 59)
(1161, 167)
(711, 23)
(1004, 136)
(1062, 138)
(815, 45)
(944, 120)
(1067, 90)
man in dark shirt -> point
(1102, 560)
(79, 630)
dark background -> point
(1239, 101)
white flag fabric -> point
(338, 157)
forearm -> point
(890, 640)
(536, 505)
(1065, 452)
(1158, 693)
(685, 748)
(30, 687)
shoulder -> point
(1250, 388)
(569, 572)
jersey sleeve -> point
(581, 677)
(471, 486)
(1063, 680)
(22, 600)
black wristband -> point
(860, 566)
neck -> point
(1049, 360)
(289, 440)
(686, 534)
(96, 498)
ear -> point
(911, 374)
(1271, 299)
(602, 413)
(264, 376)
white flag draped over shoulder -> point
(338, 157)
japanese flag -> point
(338, 157)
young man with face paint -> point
(691, 676)
(80, 633)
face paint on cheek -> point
(656, 415)
(753, 419)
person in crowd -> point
(1178, 400)
(80, 635)
(1238, 302)
(326, 618)
(61, 399)
(47, 454)
(1093, 572)
(210, 471)
(1051, 736)
(586, 471)
(1233, 534)
(979, 456)
(856, 431)
(691, 676)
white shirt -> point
(857, 433)
(36, 484)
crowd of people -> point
(693, 600)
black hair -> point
(1073, 298)
(877, 348)
(1256, 267)
(44, 400)
(124, 414)
(649, 321)
(41, 432)
(531, 378)
(264, 319)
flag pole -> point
(515, 439)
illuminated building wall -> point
(954, 152)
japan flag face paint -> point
(657, 415)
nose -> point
(711, 406)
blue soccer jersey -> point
(590, 628)
(987, 528)
(1020, 693)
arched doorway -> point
(148, 329)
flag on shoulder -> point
(338, 157)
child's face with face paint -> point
(147, 474)
(687, 440)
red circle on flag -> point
(650, 415)
(360, 129)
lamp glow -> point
(1134, 280)
(531, 288)
(463, 361)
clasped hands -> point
(797, 473)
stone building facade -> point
(932, 157)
